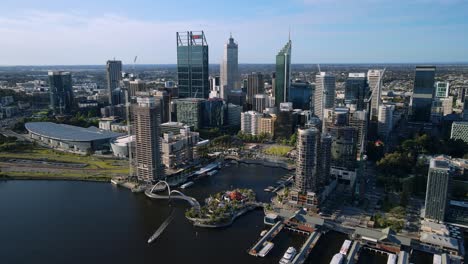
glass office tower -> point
(192, 65)
(283, 74)
(423, 93)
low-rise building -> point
(459, 131)
(177, 150)
(71, 138)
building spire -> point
(289, 33)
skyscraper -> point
(438, 180)
(192, 65)
(114, 75)
(283, 74)
(60, 92)
(374, 79)
(324, 95)
(423, 93)
(325, 158)
(305, 191)
(306, 163)
(229, 69)
(147, 126)
(355, 90)
(385, 121)
(255, 85)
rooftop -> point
(69, 133)
(443, 241)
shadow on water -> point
(328, 245)
(367, 256)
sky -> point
(57, 32)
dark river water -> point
(86, 222)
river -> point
(89, 222)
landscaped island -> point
(223, 208)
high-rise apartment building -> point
(385, 125)
(356, 90)
(192, 65)
(255, 85)
(423, 93)
(229, 69)
(113, 75)
(374, 80)
(306, 182)
(324, 95)
(283, 74)
(60, 92)
(250, 122)
(267, 124)
(438, 181)
(147, 126)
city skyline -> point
(361, 31)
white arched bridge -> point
(174, 194)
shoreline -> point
(51, 178)
(266, 163)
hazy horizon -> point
(54, 32)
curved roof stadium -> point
(64, 132)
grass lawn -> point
(278, 150)
(97, 168)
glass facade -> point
(283, 74)
(213, 113)
(189, 111)
(300, 95)
(356, 89)
(192, 65)
(60, 92)
(423, 93)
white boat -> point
(345, 247)
(211, 173)
(114, 181)
(288, 256)
(337, 259)
(263, 232)
(391, 259)
(187, 184)
(267, 247)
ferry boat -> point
(337, 259)
(288, 256)
(267, 247)
(187, 184)
(115, 182)
(345, 247)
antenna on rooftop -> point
(318, 65)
